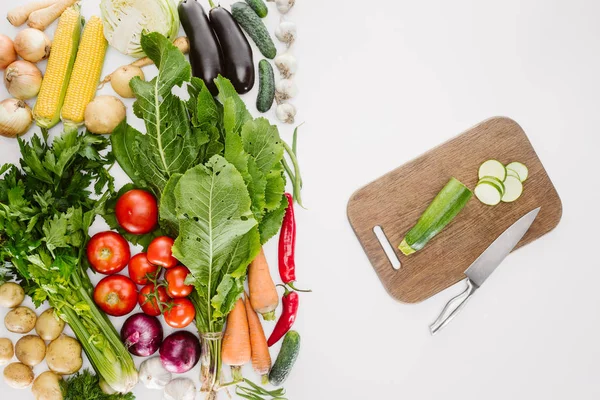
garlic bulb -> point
(283, 6)
(286, 113)
(180, 389)
(286, 64)
(32, 45)
(153, 375)
(23, 79)
(15, 117)
(286, 32)
(285, 89)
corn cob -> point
(86, 73)
(60, 64)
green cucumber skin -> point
(255, 28)
(266, 86)
(285, 359)
(259, 7)
(446, 205)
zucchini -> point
(510, 172)
(488, 193)
(514, 188)
(255, 28)
(446, 205)
(492, 168)
(259, 7)
(285, 359)
(494, 181)
(266, 86)
(520, 169)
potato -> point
(64, 355)
(47, 387)
(18, 375)
(20, 320)
(11, 295)
(6, 351)
(30, 350)
(48, 325)
(103, 114)
(119, 80)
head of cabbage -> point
(125, 20)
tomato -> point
(137, 211)
(140, 268)
(181, 313)
(116, 295)
(108, 252)
(147, 300)
(175, 278)
(159, 252)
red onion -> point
(179, 352)
(142, 334)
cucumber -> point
(488, 193)
(446, 205)
(510, 172)
(492, 168)
(520, 169)
(266, 86)
(494, 181)
(255, 28)
(514, 188)
(259, 7)
(285, 359)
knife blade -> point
(484, 266)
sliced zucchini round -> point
(514, 188)
(494, 181)
(488, 193)
(513, 173)
(520, 169)
(492, 168)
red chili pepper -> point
(287, 244)
(289, 302)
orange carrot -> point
(236, 350)
(41, 19)
(263, 292)
(261, 359)
(18, 15)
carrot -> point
(236, 350)
(18, 15)
(182, 43)
(41, 19)
(262, 289)
(261, 359)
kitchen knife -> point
(483, 267)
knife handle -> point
(453, 307)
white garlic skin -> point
(180, 389)
(153, 375)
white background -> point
(382, 82)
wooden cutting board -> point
(396, 200)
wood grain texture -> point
(396, 200)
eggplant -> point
(206, 57)
(237, 53)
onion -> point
(142, 334)
(7, 51)
(179, 352)
(32, 45)
(23, 79)
(15, 117)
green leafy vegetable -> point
(86, 385)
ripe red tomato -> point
(108, 252)
(175, 278)
(137, 211)
(181, 313)
(140, 268)
(159, 252)
(116, 295)
(147, 300)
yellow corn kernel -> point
(86, 72)
(60, 64)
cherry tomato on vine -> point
(137, 211)
(116, 295)
(160, 252)
(180, 314)
(108, 252)
(175, 278)
(140, 268)
(147, 299)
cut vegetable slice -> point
(514, 188)
(494, 181)
(492, 168)
(511, 172)
(488, 193)
(520, 169)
